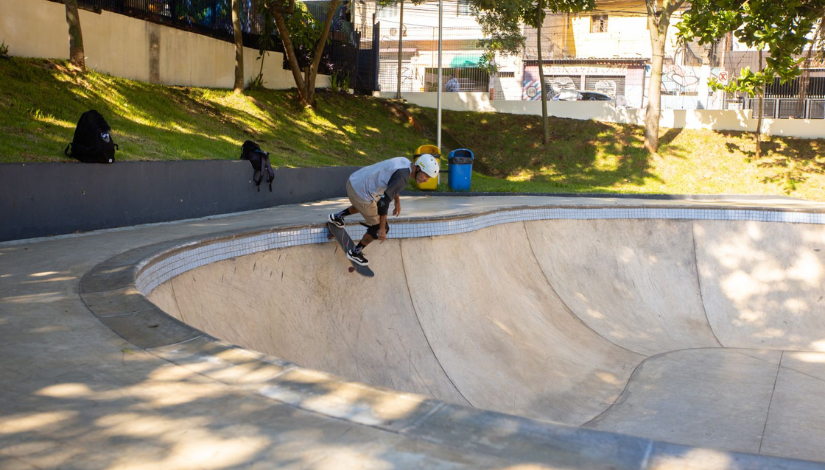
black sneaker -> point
(337, 220)
(357, 257)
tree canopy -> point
(780, 28)
(501, 22)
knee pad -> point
(373, 230)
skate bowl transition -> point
(598, 329)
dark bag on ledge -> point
(260, 163)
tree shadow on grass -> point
(580, 154)
(787, 161)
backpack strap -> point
(258, 179)
(270, 173)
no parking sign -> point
(723, 77)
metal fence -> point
(419, 59)
(214, 18)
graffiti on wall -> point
(607, 86)
(530, 90)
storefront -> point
(621, 79)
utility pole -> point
(438, 95)
(400, 49)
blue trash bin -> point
(460, 167)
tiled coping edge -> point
(114, 291)
(158, 271)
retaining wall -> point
(42, 199)
(717, 120)
(132, 48)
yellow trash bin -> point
(432, 183)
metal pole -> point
(400, 42)
(438, 93)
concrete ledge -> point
(44, 199)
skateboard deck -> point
(347, 244)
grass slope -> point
(590, 156)
(41, 101)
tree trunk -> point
(312, 73)
(657, 24)
(77, 56)
(806, 73)
(400, 43)
(545, 124)
(760, 113)
(289, 50)
(654, 93)
(658, 34)
(305, 83)
(236, 27)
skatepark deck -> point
(702, 333)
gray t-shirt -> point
(370, 183)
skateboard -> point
(347, 244)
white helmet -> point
(428, 164)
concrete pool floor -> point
(77, 395)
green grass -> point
(597, 157)
(42, 100)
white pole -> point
(438, 94)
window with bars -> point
(598, 24)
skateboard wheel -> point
(350, 269)
(329, 236)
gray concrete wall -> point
(135, 49)
(43, 199)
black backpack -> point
(260, 163)
(92, 141)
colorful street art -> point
(530, 90)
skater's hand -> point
(396, 211)
(382, 234)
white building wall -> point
(719, 120)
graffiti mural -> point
(682, 79)
(557, 84)
(530, 90)
(608, 87)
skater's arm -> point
(397, 211)
(398, 181)
(382, 230)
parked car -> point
(581, 95)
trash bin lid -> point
(461, 153)
(460, 161)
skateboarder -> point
(370, 191)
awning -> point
(466, 60)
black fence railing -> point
(214, 18)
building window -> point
(598, 24)
(463, 8)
